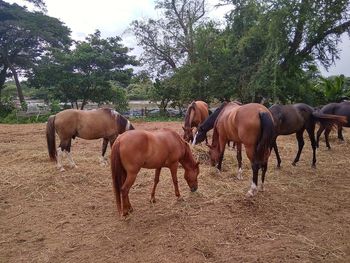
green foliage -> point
(6, 106)
(85, 73)
(333, 89)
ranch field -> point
(49, 216)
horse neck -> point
(208, 124)
(189, 116)
(215, 141)
(187, 160)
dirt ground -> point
(50, 216)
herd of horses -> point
(252, 125)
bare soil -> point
(49, 216)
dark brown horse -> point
(342, 109)
(196, 113)
(251, 125)
(153, 150)
(297, 118)
(89, 125)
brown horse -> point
(94, 124)
(153, 150)
(250, 124)
(196, 113)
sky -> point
(112, 17)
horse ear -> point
(183, 128)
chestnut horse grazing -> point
(250, 124)
(196, 113)
(93, 124)
(153, 150)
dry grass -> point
(48, 216)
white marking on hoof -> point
(61, 169)
(103, 161)
(252, 191)
(239, 175)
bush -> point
(6, 107)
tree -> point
(85, 72)
(24, 37)
(169, 42)
(274, 45)
(333, 88)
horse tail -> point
(50, 138)
(329, 120)
(118, 172)
(267, 135)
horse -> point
(343, 109)
(208, 124)
(196, 113)
(251, 125)
(153, 150)
(297, 118)
(93, 124)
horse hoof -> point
(249, 194)
(313, 166)
(180, 199)
(294, 164)
(152, 200)
(62, 169)
(261, 188)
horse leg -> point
(59, 159)
(340, 132)
(239, 160)
(311, 131)
(326, 136)
(69, 156)
(156, 180)
(301, 143)
(129, 181)
(219, 166)
(319, 132)
(263, 169)
(173, 171)
(254, 186)
(103, 159)
(275, 148)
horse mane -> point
(191, 107)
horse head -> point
(191, 177)
(188, 134)
(214, 154)
(191, 168)
(199, 136)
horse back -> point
(145, 149)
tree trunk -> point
(2, 79)
(83, 104)
(18, 85)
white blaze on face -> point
(194, 139)
(127, 126)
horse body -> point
(342, 109)
(89, 125)
(251, 125)
(153, 150)
(297, 118)
(196, 113)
